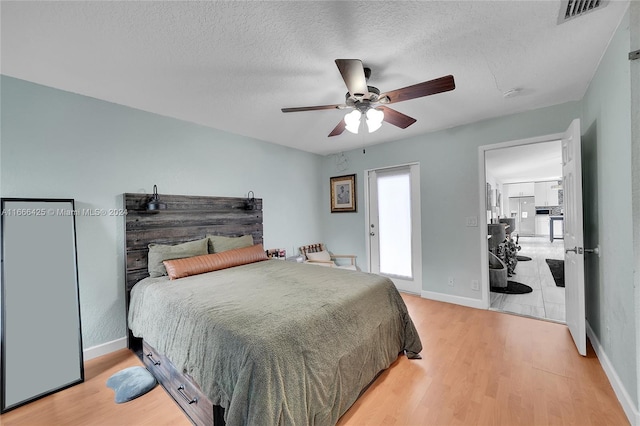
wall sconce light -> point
(250, 202)
(154, 203)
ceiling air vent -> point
(570, 9)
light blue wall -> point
(449, 185)
(58, 144)
(634, 26)
(449, 192)
(606, 128)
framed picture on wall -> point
(343, 193)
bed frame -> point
(186, 218)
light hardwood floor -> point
(478, 368)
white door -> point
(394, 226)
(573, 236)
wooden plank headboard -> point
(186, 218)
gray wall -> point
(606, 128)
(60, 145)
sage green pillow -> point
(218, 243)
(160, 252)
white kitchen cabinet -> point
(540, 192)
(525, 189)
(558, 229)
(553, 194)
(546, 193)
(542, 225)
(506, 193)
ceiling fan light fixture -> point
(362, 98)
(374, 119)
(352, 121)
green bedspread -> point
(276, 342)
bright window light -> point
(394, 220)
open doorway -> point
(524, 216)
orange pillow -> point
(180, 268)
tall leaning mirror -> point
(41, 336)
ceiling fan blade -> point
(396, 118)
(338, 129)
(352, 73)
(431, 87)
(313, 108)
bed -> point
(267, 342)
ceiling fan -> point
(367, 100)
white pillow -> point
(323, 256)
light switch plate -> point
(472, 221)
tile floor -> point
(547, 300)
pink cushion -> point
(180, 268)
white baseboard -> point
(458, 300)
(629, 407)
(105, 348)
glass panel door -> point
(394, 222)
(394, 225)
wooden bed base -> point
(184, 390)
(186, 218)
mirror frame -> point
(67, 375)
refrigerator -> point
(523, 209)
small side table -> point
(551, 220)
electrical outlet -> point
(475, 285)
(450, 282)
(472, 221)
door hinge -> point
(634, 55)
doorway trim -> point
(482, 190)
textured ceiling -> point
(233, 65)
